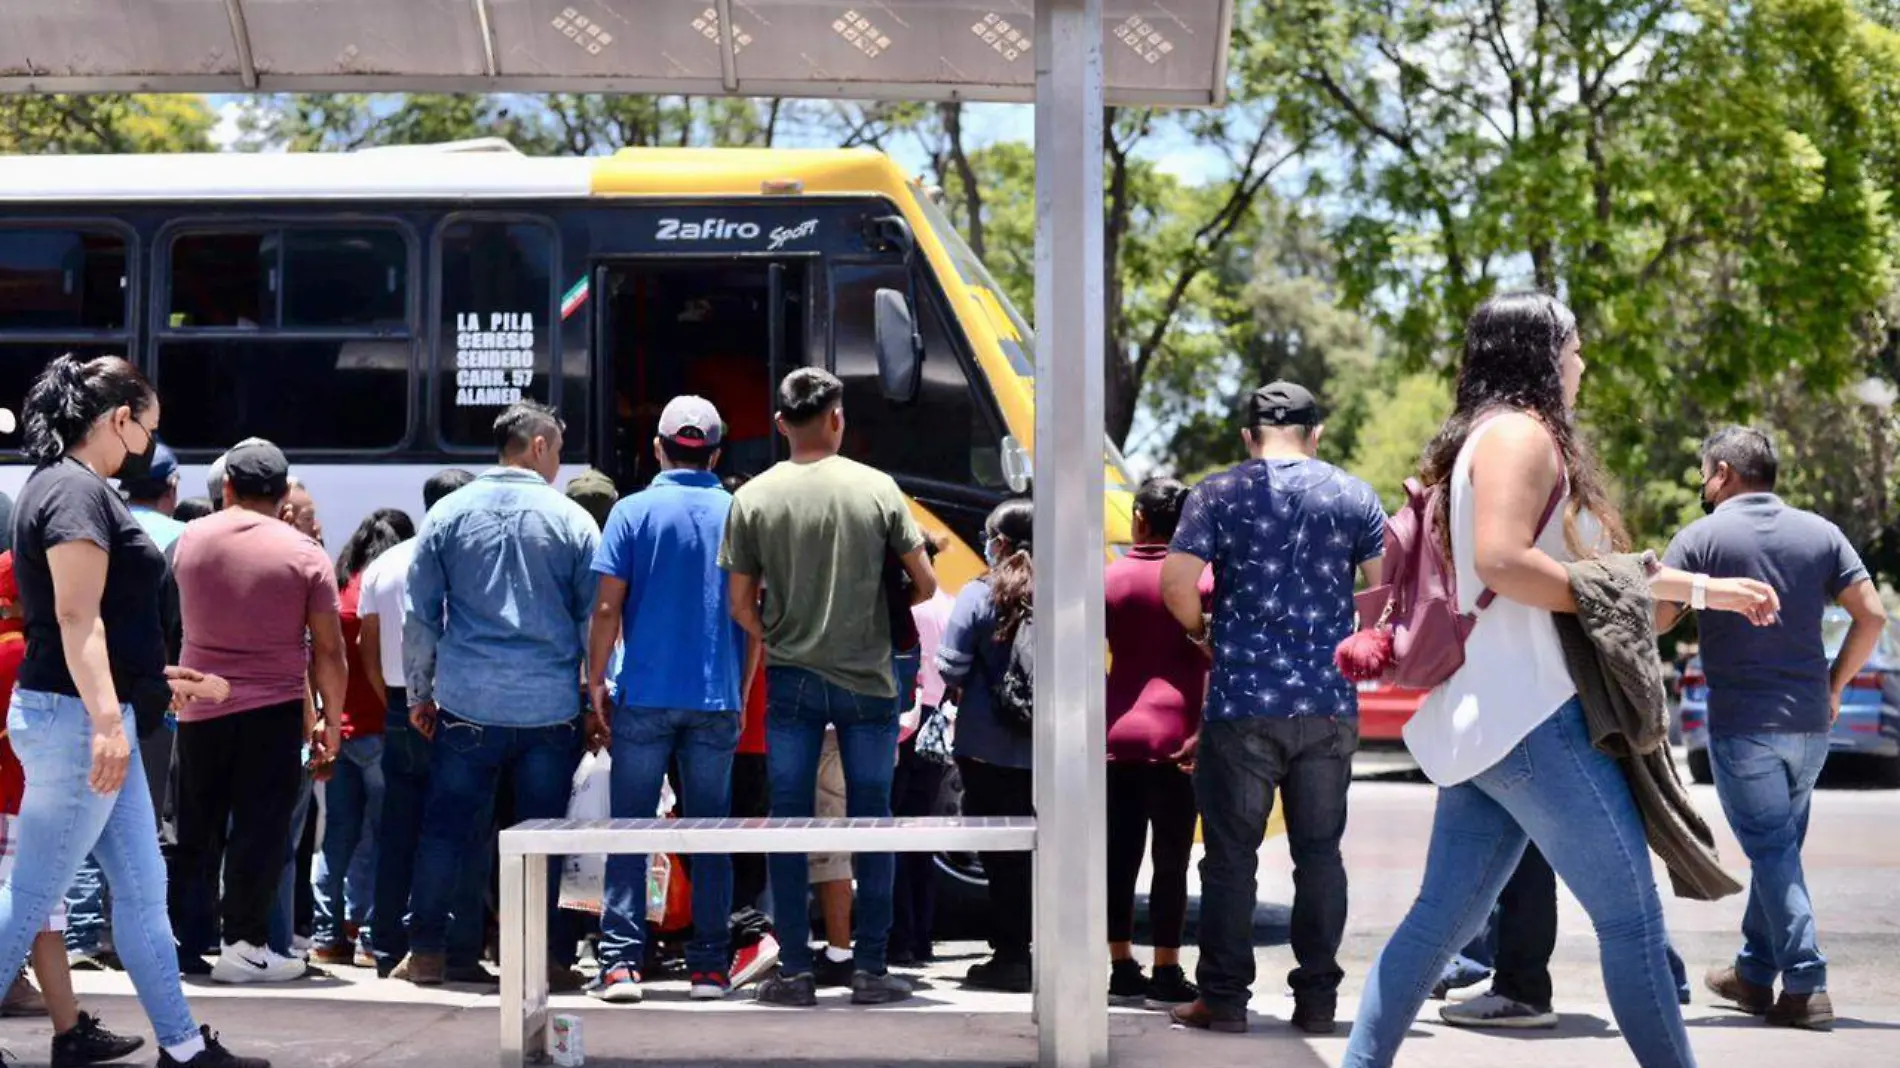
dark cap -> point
(1282, 404)
(156, 481)
(257, 469)
(594, 492)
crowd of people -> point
(780, 645)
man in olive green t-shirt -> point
(816, 531)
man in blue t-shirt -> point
(1773, 699)
(663, 594)
(1284, 533)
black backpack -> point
(1013, 696)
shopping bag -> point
(584, 877)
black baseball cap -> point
(1282, 404)
(257, 469)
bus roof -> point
(446, 173)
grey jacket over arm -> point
(1610, 646)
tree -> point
(33, 124)
(1387, 453)
(1702, 182)
(556, 124)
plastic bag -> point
(584, 877)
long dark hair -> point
(1013, 577)
(71, 394)
(1513, 361)
(382, 530)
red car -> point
(1383, 712)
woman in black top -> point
(89, 584)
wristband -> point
(1699, 592)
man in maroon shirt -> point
(1157, 680)
(250, 586)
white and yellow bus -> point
(372, 312)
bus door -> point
(723, 329)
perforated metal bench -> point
(524, 880)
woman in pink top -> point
(1157, 680)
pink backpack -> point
(1417, 637)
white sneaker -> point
(242, 962)
(300, 947)
(1492, 1010)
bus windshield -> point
(1021, 348)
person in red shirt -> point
(344, 879)
(1157, 681)
(754, 947)
(77, 1036)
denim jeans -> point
(645, 742)
(800, 705)
(1765, 782)
(283, 915)
(1241, 764)
(62, 820)
(345, 877)
(465, 765)
(405, 770)
(1558, 790)
(88, 928)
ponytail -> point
(1012, 578)
(70, 395)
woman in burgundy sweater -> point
(1157, 680)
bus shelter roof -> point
(1162, 52)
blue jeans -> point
(799, 706)
(62, 820)
(646, 740)
(283, 916)
(465, 764)
(405, 769)
(345, 877)
(1574, 802)
(88, 930)
(1765, 782)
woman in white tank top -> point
(1504, 738)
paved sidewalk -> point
(356, 1019)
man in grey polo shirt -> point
(1773, 697)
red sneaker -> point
(754, 962)
(709, 986)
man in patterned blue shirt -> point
(1284, 533)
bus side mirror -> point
(1018, 468)
(900, 348)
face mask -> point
(989, 553)
(1708, 506)
(137, 464)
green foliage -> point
(115, 122)
(1403, 419)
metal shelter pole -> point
(1071, 999)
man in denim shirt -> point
(493, 638)
(1284, 533)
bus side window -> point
(299, 334)
(493, 341)
(944, 435)
(67, 287)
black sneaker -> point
(193, 964)
(828, 972)
(1315, 1015)
(789, 991)
(1126, 983)
(1170, 987)
(878, 989)
(1005, 976)
(213, 1055)
(89, 1043)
